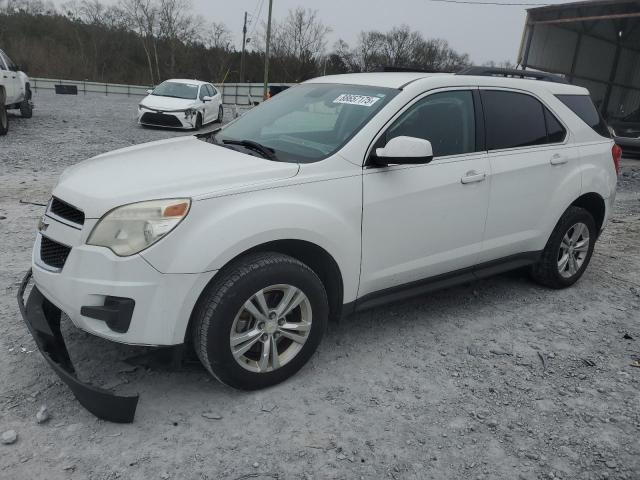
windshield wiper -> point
(266, 152)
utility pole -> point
(266, 54)
(244, 43)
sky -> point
(485, 32)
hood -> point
(178, 167)
(167, 103)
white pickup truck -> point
(15, 91)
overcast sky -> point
(485, 32)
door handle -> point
(558, 159)
(473, 176)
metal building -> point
(595, 44)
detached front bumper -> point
(43, 320)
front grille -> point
(160, 119)
(66, 211)
(53, 253)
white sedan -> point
(177, 103)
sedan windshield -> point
(309, 122)
(176, 90)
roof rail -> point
(390, 68)
(511, 72)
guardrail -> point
(232, 93)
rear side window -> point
(513, 120)
(583, 106)
(555, 131)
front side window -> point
(176, 90)
(309, 122)
(446, 119)
(203, 92)
(513, 120)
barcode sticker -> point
(362, 100)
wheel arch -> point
(594, 204)
(312, 255)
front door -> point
(420, 221)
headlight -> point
(189, 112)
(141, 107)
(131, 228)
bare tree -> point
(219, 36)
(298, 43)
(142, 17)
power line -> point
(504, 4)
(255, 20)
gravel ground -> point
(499, 379)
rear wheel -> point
(568, 251)
(260, 321)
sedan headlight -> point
(189, 112)
(131, 228)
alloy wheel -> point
(271, 328)
(573, 250)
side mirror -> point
(404, 151)
(207, 98)
(149, 91)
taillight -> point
(616, 154)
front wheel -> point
(260, 320)
(198, 125)
(26, 109)
(568, 251)
(220, 114)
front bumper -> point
(43, 320)
(166, 119)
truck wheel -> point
(4, 119)
(26, 109)
(260, 320)
(568, 250)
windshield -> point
(309, 122)
(176, 90)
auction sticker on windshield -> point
(362, 100)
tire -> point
(198, 122)
(4, 119)
(552, 271)
(221, 313)
(220, 114)
(26, 109)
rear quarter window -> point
(583, 107)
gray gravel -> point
(500, 379)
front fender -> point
(326, 213)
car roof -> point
(186, 80)
(376, 79)
(400, 80)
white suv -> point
(340, 194)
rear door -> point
(535, 172)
